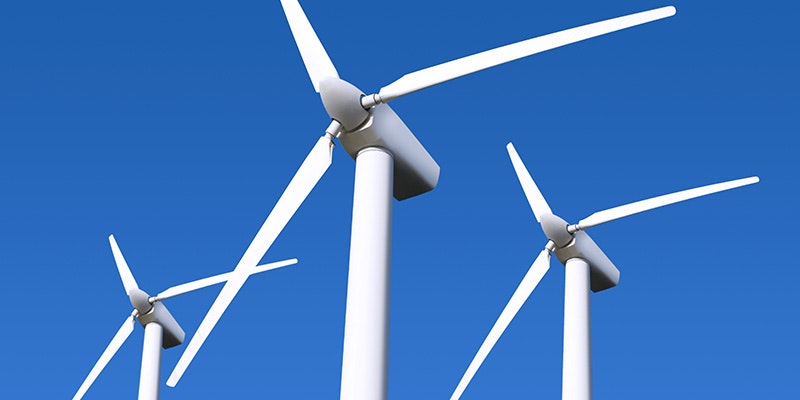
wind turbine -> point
(389, 161)
(587, 267)
(160, 327)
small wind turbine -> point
(389, 161)
(587, 267)
(160, 328)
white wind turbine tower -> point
(389, 161)
(160, 328)
(587, 267)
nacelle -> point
(604, 275)
(415, 171)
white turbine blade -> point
(464, 66)
(213, 280)
(316, 59)
(540, 266)
(273, 265)
(532, 192)
(122, 334)
(611, 214)
(224, 299)
(178, 290)
(124, 271)
(304, 180)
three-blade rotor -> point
(556, 230)
(320, 69)
(130, 285)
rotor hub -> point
(140, 301)
(555, 228)
(342, 101)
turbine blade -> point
(464, 66)
(119, 338)
(611, 214)
(213, 280)
(540, 266)
(316, 59)
(307, 176)
(532, 192)
(273, 265)
(124, 271)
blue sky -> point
(177, 125)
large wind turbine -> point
(587, 267)
(160, 328)
(389, 161)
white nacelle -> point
(415, 171)
(604, 275)
(173, 333)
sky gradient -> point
(177, 125)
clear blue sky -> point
(177, 125)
